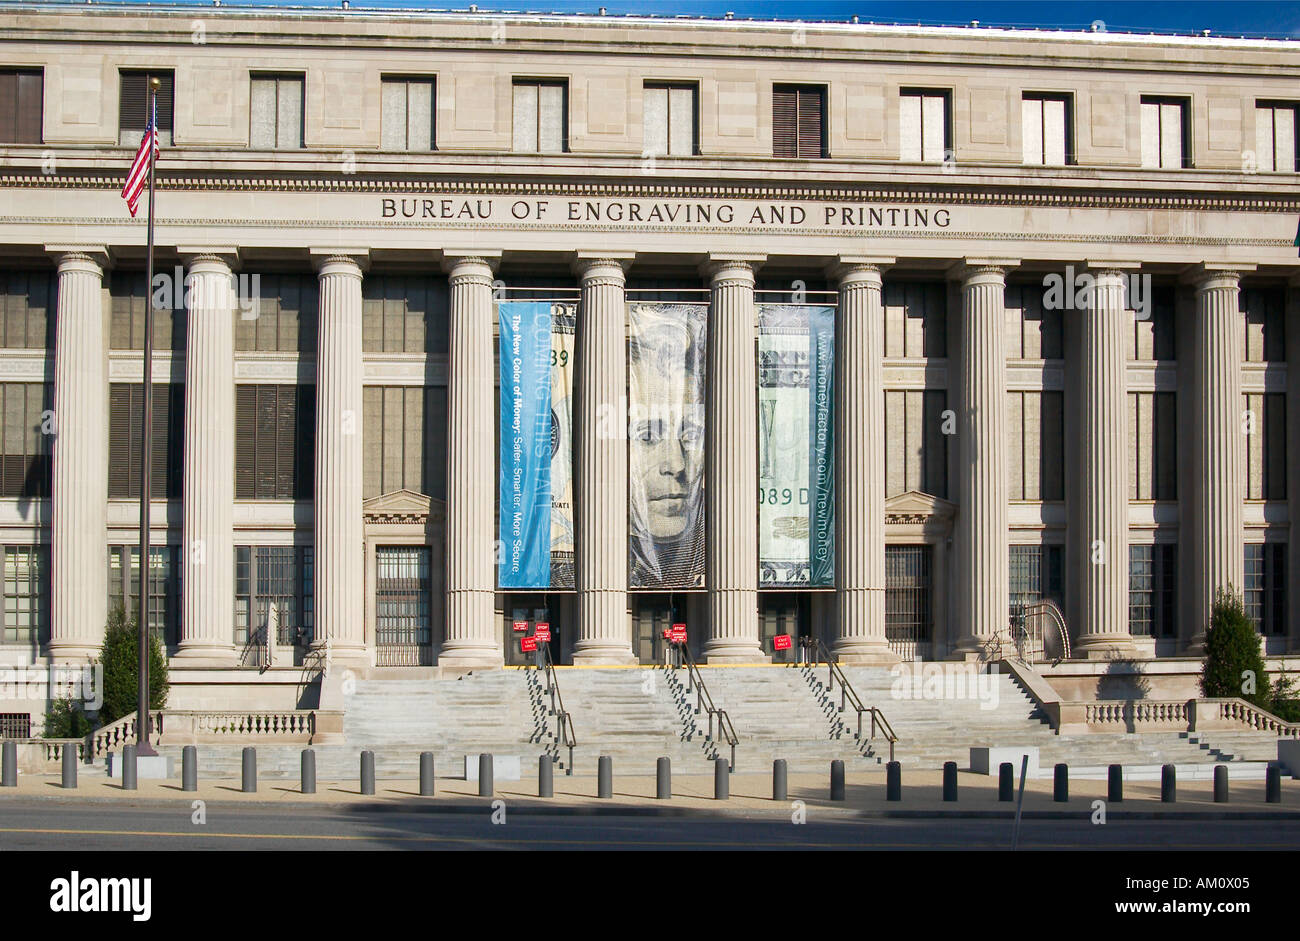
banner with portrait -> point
(666, 402)
(796, 456)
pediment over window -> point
(917, 507)
(403, 506)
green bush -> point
(66, 720)
(120, 659)
(1233, 665)
(1286, 699)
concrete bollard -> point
(485, 775)
(367, 772)
(1273, 785)
(189, 768)
(721, 779)
(837, 780)
(893, 781)
(1006, 782)
(1220, 784)
(1168, 785)
(663, 779)
(605, 776)
(308, 771)
(545, 776)
(950, 781)
(250, 770)
(9, 765)
(128, 768)
(779, 788)
(70, 767)
(1115, 784)
(1061, 783)
(426, 774)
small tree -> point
(120, 660)
(1233, 665)
(66, 719)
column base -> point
(471, 656)
(602, 654)
(205, 655)
(864, 653)
(351, 655)
(724, 652)
(72, 652)
(1104, 647)
(980, 650)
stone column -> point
(1293, 467)
(471, 639)
(600, 481)
(1218, 447)
(207, 565)
(339, 542)
(980, 530)
(1102, 549)
(731, 463)
(79, 537)
(860, 464)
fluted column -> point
(980, 530)
(79, 579)
(339, 542)
(471, 639)
(731, 464)
(600, 484)
(1293, 467)
(1102, 551)
(860, 465)
(1218, 445)
(207, 566)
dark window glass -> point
(133, 107)
(167, 440)
(798, 121)
(26, 425)
(21, 104)
(164, 587)
(275, 439)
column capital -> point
(970, 269)
(357, 258)
(459, 262)
(594, 265)
(73, 254)
(1215, 274)
(227, 255)
(850, 270)
(726, 266)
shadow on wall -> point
(1123, 679)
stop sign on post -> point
(543, 631)
(519, 626)
(527, 644)
(678, 634)
(781, 642)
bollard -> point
(1273, 785)
(9, 763)
(893, 781)
(485, 775)
(837, 780)
(545, 776)
(778, 780)
(250, 770)
(950, 780)
(367, 772)
(605, 776)
(1168, 784)
(1006, 781)
(308, 771)
(70, 766)
(1061, 783)
(1220, 784)
(663, 779)
(721, 779)
(189, 768)
(128, 768)
(1115, 784)
(426, 774)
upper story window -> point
(1263, 325)
(275, 112)
(669, 120)
(541, 116)
(21, 93)
(1045, 129)
(798, 121)
(924, 126)
(133, 107)
(1275, 137)
(1165, 134)
(407, 110)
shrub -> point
(1286, 699)
(1232, 657)
(120, 659)
(65, 719)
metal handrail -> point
(564, 731)
(694, 681)
(848, 695)
(1028, 643)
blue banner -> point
(525, 432)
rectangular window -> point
(27, 308)
(275, 112)
(1035, 445)
(403, 630)
(1033, 331)
(909, 618)
(799, 121)
(126, 324)
(1153, 335)
(1165, 133)
(27, 595)
(287, 310)
(1265, 594)
(916, 318)
(167, 440)
(273, 589)
(407, 109)
(1036, 575)
(133, 107)
(404, 315)
(1263, 313)
(399, 424)
(916, 449)
(164, 587)
(541, 117)
(670, 129)
(15, 725)
(924, 128)
(21, 104)
(1153, 452)
(1045, 129)
(1265, 422)
(275, 440)
(24, 441)
(1276, 147)
(1152, 589)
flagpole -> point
(146, 455)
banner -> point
(796, 456)
(666, 390)
(563, 319)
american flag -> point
(139, 175)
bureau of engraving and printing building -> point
(469, 322)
